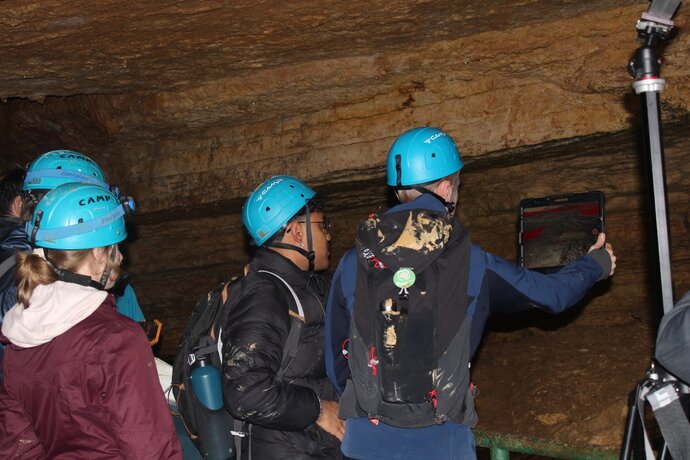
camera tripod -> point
(663, 391)
(660, 389)
(653, 26)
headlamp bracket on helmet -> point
(37, 224)
(127, 201)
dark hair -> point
(10, 188)
(315, 204)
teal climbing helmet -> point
(421, 155)
(272, 204)
(58, 167)
(77, 216)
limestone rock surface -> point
(188, 105)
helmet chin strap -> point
(71, 277)
(309, 253)
(108, 267)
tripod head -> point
(657, 377)
(655, 24)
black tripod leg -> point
(664, 454)
(631, 427)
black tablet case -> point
(557, 229)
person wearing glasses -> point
(289, 412)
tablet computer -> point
(557, 229)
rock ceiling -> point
(63, 48)
(190, 104)
(182, 95)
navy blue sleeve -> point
(514, 288)
(341, 299)
(497, 285)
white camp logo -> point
(434, 137)
(268, 187)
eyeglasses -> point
(325, 225)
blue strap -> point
(341, 300)
(74, 176)
(54, 234)
(347, 278)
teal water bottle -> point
(206, 384)
(215, 423)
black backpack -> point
(409, 344)
(200, 340)
(673, 340)
(666, 389)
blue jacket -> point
(494, 285)
(12, 239)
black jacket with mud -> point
(409, 334)
(282, 411)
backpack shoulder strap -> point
(293, 294)
(348, 274)
(8, 263)
(296, 323)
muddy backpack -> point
(409, 332)
(199, 342)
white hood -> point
(53, 310)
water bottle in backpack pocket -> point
(205, 379)
(217, 441)
(196, 377)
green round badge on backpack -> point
(404, 278)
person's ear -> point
(99, 255)
(445, 189)
(97, 260)
(16, 206)
(294, 234)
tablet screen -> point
(558, 229)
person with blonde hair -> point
(80, 379)
(408, 306)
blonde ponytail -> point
(34, 270)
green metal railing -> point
(501, 445)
